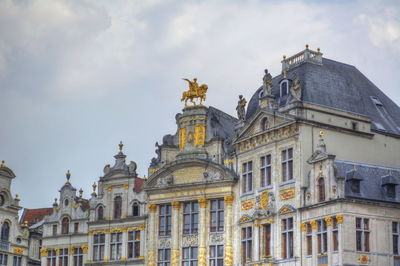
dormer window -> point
(284, 87)
(389, 184)
(66, 202)
(391, 191)
(355, 186)
(376, 101)
(135, 209)
(321, 189)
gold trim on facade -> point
(203, 202)
(229, 199)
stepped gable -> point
(340, 86)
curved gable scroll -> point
(188, 172)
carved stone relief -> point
(216, 238)
(165, 181)
(212, 175)
(164, 243)
(190, 241)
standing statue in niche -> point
(295, 90)
(267, 83)
(241, 107)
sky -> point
(77, 77)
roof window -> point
(376, 101)
(284, 87)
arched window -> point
(117, 207)
(65, 225)
(5, 231)
(321, 189)
(264, 123)
(284, 87)
(135, 209)
(100, 213)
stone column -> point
(256, 237)
(228, 231)
(151, 250)
(107, 242)
(203, 231)
(328, 221)
(176, 206)
(339, 219)
(314, 242)
(124, 253)
(89, 248)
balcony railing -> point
(4, 245)
(304, 56)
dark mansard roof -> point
(339, 86)
(373, 181)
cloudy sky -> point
(76, 77)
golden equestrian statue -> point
(195, 92)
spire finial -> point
(16, 196)
(80, 193)
(68, 175)
(306, 46)
(3, 163)
(94, 189)
(284, 57)
(321, 134)
(318, 50)
(121, 145)
(284, 74)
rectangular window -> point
(116, 246)
(164, 220)
(51, 257)
(17, 261)
(133, 244)
(309, 238)
(217, 215)
(217, 255)
(164, 257)
(78, 257)
(287, 238)
(287, 164)
(190, 217)
(396, 238)
(54, 229)
(98, 247)
(322, 237)
(63, 257)
(335, 234)
(4, 259)
(362, 234)
(76, 227)
(266, 171)
(247, 241)
(247, 177)
(267, 240)
(189, 256)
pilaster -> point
(151, 253)
(228, 231)
(176, 206)
(256, 237)
(203, 202)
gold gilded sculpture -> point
(195, 92)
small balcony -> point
(4, 245)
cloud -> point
(76, 77)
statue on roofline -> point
(195, 92)
(241, 107)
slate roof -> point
(139, 184)
(34, 216)
(372, 179)
(339, 86)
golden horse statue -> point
(195, 92)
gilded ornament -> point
(328, 221)
(228, 256)
(123, 258)
(229, 199)
(199, 134)
(285, 210)
(264, 200)
(182, 137)
(288, 194)
(244, 219)
(18, 251)
(154, 170)
(202, 256)
(75, 206)
(313, 224)
(203, 202)
(247, 205)
(175, 257)
(71, 250)
(43, 252)
(364, 259)
(109, 188)
(126, 186)
(84, 249)
(152, 207)
(303, 226)
(151, 256)
(176, 205)
(195, 92)
(339, 218)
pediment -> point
(318, 156)
(189, 172)
(255, 125)
(286, 209)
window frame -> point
(4, 259)
(362, 234)
(322, 237)
(164, 219)
(65, 226)
(165, 259)
(267, 237)
(51, 257)
(309, 239)
(266, 170)
(98, 212)
(246, 243)
(117, 207)
(287, 236)
(63, 255)
(193, 215)
(116, 246)
(321, 189)
(99, 247)
(219, 213)
(287, 162)
(192, 259)
(396, 238)
(135, 209)
(216, 258)
(77, 257)
(134, 244)
(247, 177)
(335, 235)
(17, 260)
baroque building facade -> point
(307, 174)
